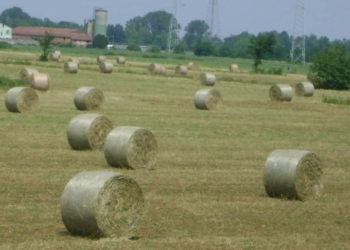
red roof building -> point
(62, 35)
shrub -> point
(331, 69)
(204, 49)
(4, 45)
(180, 48)
(100, 42)
(133, 47)
(154, 48)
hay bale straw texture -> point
(40, 81)
(293, 174)
(304, 89)
(100, 59)
(207, 79)
(88, 131)
(131, 147)
(26, 73)
(102, 204)
(21, 100)
(88, 98)
(121, 60)
(157, 69)
(58, 53)
(234, 68)
(207, 99)
(181, 70)
(106, 67)
(55, 57)
(281, 92)
(71, 67)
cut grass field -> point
(207, 189)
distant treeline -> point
(153, 29)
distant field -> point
(207, 190)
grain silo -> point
(100, 22)
(90, 27)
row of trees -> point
(15, 16)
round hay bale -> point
(54, 57)
(71, 67)
(100, 59)
(234, 67)
(88, 98)
(305, 89)
(131, 147)
(102, 204)
(106, 67)
(40, 81)
(281, 92)
(58, 53)
(192, 66)
(121, 60)
(293, 174)
(88, 131)
(156, 69)
(207, 99)
(26, 73)
(181, 70)
(21, 100)
(74, 60)
(207, 79)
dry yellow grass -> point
(207, 191)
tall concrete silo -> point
(100, 22)
(90, 27)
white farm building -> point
(5, 31)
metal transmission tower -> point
(297, 53)
(213, 19)
(173, 36)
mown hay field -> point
(206, 191)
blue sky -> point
(323, 17)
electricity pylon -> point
(213, 19)
(297, 53)
(173, 36)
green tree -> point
(100, 42)
(331, 69)
(260, 46)
(204, 49)
(119, 34)
(45, 44)
(180, 48)
(196, 31)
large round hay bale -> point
(100, 59)
(71, 67)
(88, 98)
(304, 89)
(281, 92)
(156, 69)
(207, 79)
(40, 81)
(106, 67)
(293, 174)
(131, 147)
(102, 204)
(121, 60)
(88, 131)
(74, 60)
(21, 100)
(234, 67)
(55, 56)
(26, 73)
(207, 99)
(181, 70)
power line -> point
(297, 53)
(173, 35)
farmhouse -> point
(5, 31)
(62, 35)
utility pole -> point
(173, 36)
(213, 19)
(297, 53)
